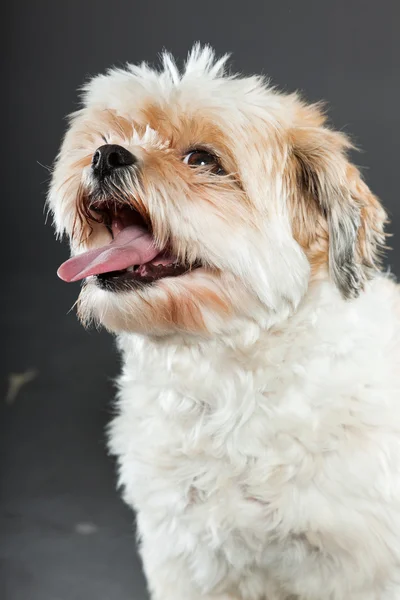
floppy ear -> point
(334, 195)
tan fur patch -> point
(189, 131)
(309, 226)
(184, 309)
(111, 122)
(373, 218)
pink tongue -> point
(132, 246)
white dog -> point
(223, 235)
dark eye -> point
(202, 158)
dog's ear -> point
(335, 194)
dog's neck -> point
(247, 341)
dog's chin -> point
(194, 302)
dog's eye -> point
(202, 158)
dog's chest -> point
(202, 457)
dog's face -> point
(193, 201)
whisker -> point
(73, 306)
(49, 169)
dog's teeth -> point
(130, 269)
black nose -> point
(110, 157)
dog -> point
(224, 236)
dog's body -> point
(267, 464)
(258, 415)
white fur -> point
(263, 455)
(271, 459)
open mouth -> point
(130, 259)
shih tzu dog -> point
(222, 234)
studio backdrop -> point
(65, 533)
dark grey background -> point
(65, 534)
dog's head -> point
(193, 200)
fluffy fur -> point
(258, 420)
